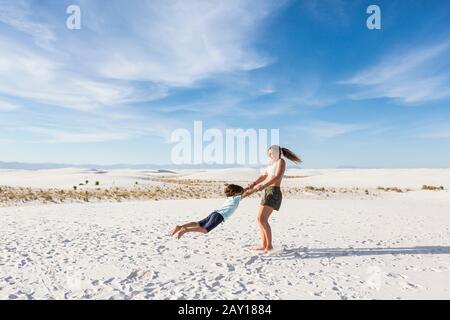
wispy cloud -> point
(7, 106)
(178, 42)
(327, 129)
(39, 125)
(419, 74)
(44, 79)
(18, 15)
(159, 45)
(98, 129)
(61, 136)
(438, 130)
(330, 12)
(252, 99)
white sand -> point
(371, 178)
(393, 247)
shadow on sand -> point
(308, 253)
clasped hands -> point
(253, 189)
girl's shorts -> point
(272, 197)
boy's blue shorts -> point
(211, 221)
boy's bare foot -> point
(181, 232)
(175, 230)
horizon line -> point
(56, 165)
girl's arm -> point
(278, 175)
(248, 192)
(261, 178)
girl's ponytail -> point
(291, 155)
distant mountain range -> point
(349, 167)
(41, 166)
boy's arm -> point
(248, 192)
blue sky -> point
(114, 91)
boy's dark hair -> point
(233, 189)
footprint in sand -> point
(219, 277)
(161, 249)
(251, 260)
(108, 281)
(410, 285)
(230, 267)
(318, 294)
(396, 276)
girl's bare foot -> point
(268, 249)
(260, 248)
(181, 232)
(175, 230)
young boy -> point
(234, 195)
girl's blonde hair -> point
(291, 155)
(287, 153)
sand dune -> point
(350, 178)
(68, 178)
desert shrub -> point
(295, 177)
(432, 188)
(392, 189)
(311, 188)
